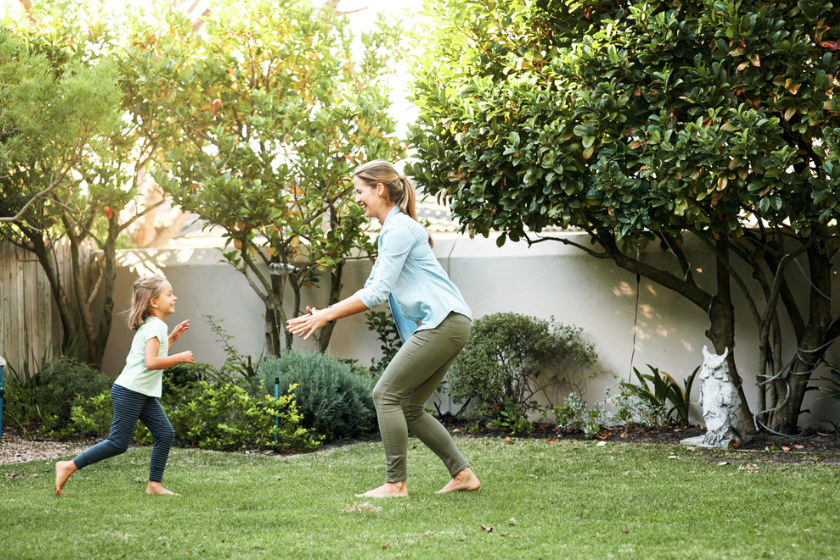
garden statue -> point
(720, 403)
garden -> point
(637, 135)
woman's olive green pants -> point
(402, 391)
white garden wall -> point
(543, 280)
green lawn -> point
(560, 500)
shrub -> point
(511, 358)
(227, 418)
(66, 381)
(335, 401)
(91, 417)
(47, 396)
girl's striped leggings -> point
(130, 406)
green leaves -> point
(697, 118)
(270, 112)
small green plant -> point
(574, 415)
(386, 329)
(832, 390)
(20, 403)
(237, 365)
(510, 359)
(513, 423)
(335, 400)
(662, 390)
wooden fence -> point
(30, 329)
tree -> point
(85, 140)
(54, 113)
(636, 121)
(266, 115)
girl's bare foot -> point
(464, 480)
(387, 490)
(63, 470)
(156, 488)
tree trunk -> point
(334, 297)
(109, 282)
(811, 346)
(81, 299)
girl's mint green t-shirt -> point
(134, 375)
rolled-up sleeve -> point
(394, 248)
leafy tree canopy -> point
(266, 115)
(629, 116)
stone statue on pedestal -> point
(721, 405)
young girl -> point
(135, 392)
(431, 316)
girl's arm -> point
(153, 361)
(307, 324)
(177, 332)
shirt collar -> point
(392, 212)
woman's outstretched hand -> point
(307, 324)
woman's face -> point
(371, 199)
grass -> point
(561, 500)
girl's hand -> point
(186, 357)
(178, 331)
(307, 324)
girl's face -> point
(372, 199)
(164, 303)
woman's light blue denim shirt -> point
(408, 275)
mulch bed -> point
(812, 447)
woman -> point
(432, 319)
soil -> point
(811, 447)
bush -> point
(335, 401)
(65, 381)
(91, 417)
(511, 358)
(227, 418)
(47, 396)
(222, 417)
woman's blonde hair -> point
(399, 188)
(145, 289)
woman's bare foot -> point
(63, 470)
(464, 480)
(156, 488)
(387, 490)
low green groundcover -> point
(566, 499)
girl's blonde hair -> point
(398, 188)
(145, 289)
